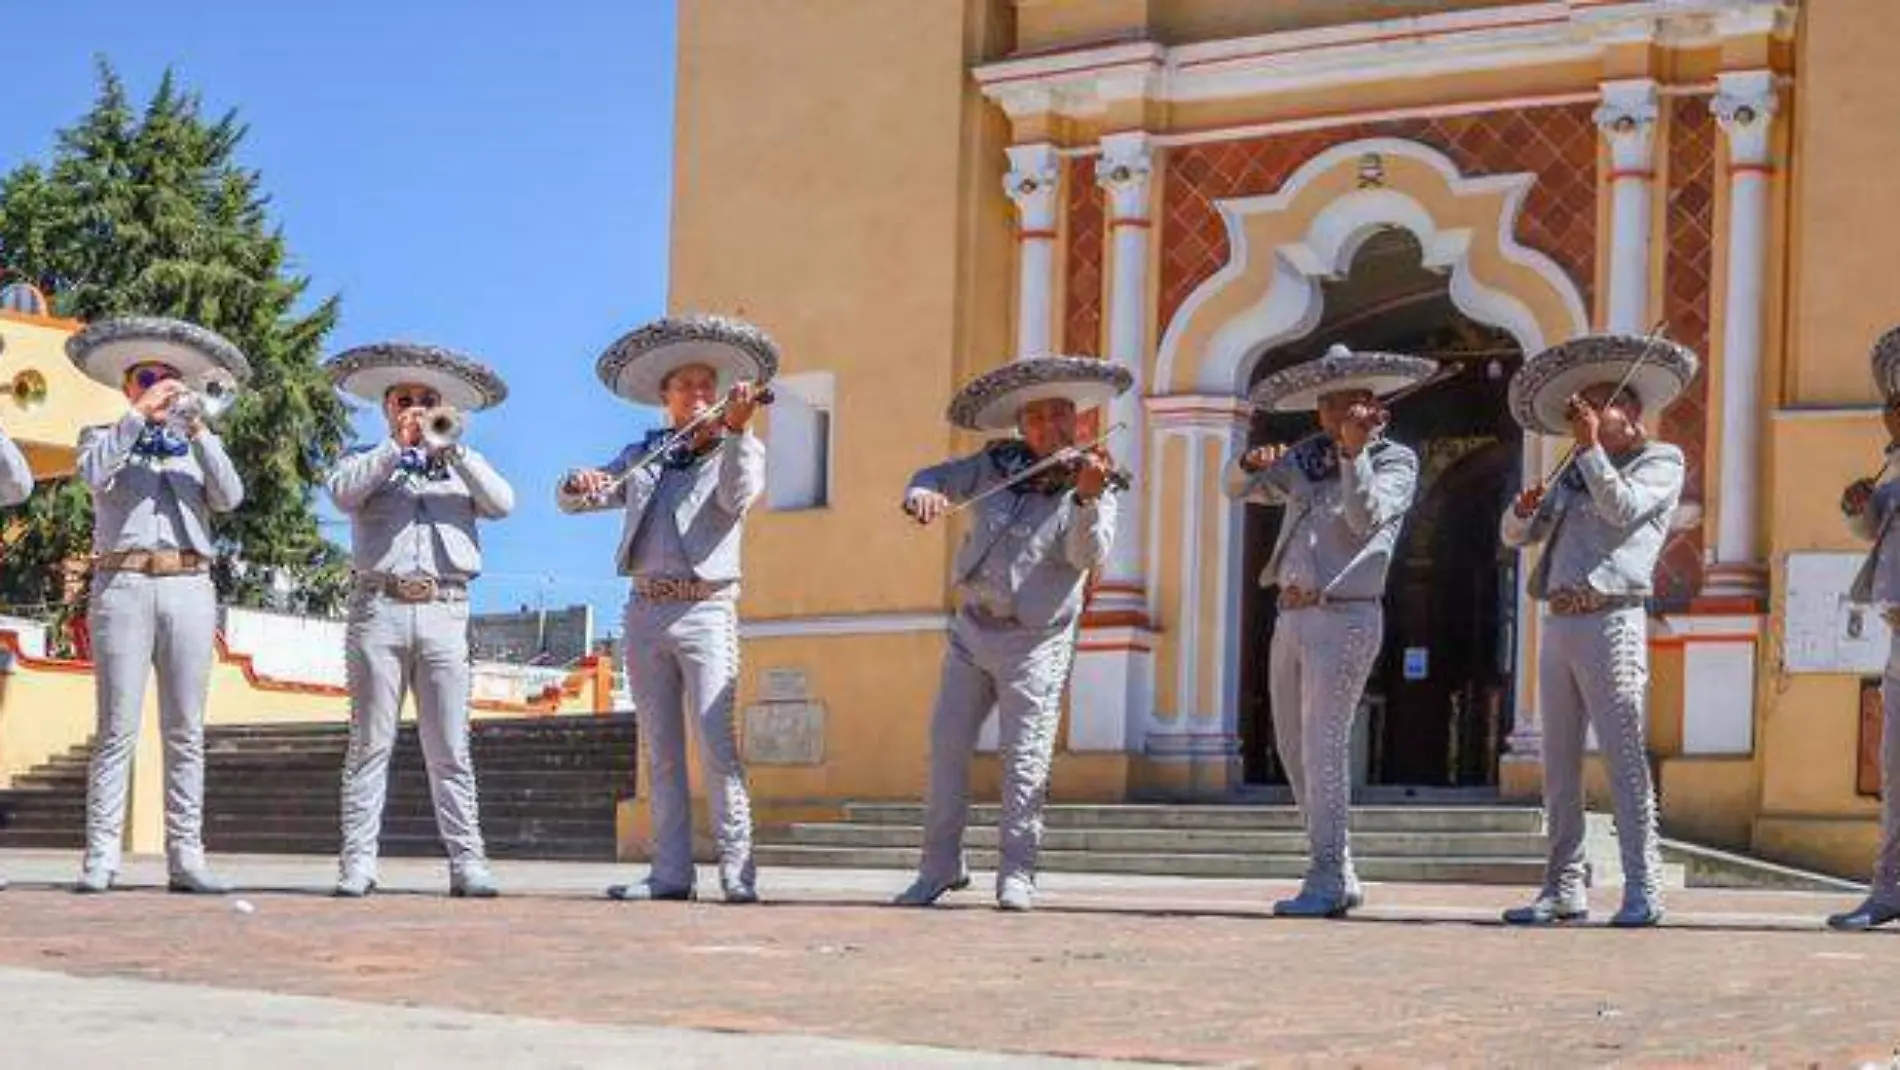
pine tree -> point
(149, 213)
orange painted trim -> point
(548, 701)
(1110, 648)
(1643, 173)
(1662, 641)
(1142, 223)
(1067, 71)
(55, 322)
(1032, 235)
(1751, 169)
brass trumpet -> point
(28, 390)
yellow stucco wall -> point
(1045, 24)
(50, 433)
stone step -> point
(1396, 819)
(1512, 871)
(418, 845)
(42, 839)
(1190, 841)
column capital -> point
(1744, 104)
(1627, 118)
(1125, 171)
(1034, 179)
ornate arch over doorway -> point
(1282, 248)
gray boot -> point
(356, 882)
(925, 891)
(193, 877)
(1016, 894)
(645, 891)
(471, 880)
(1871, 914)
(94, 879)
(1548, 909)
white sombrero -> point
(104, 351)
(640, 360)
(1886, 360)
(368, 371)
(992, 400)
(1547, 381)
(1299, 388)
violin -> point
(1012, 457)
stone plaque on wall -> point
(1867, 775)
(783, 685)
(785, 733)
(1826, 633)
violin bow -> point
(1066, 453)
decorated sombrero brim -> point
(1299, 388)
(105, 351)
(639, 361)
(368, 371)
(1655, 369)
(1886, 360)
(991, 401)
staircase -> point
(1473, 844)
(548, 790)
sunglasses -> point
(148, 376)
(426, 400)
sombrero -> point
(991, 401)
(104, 351)
(1299, 388)
(369, 371)
(640, 360)
(1886, 360)
(1548, 380)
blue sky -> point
(485, 175)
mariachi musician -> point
(156, 476)
(1347, 490)
(1871, 506)
(684, 494)
(1044, 519)
(1602, 526)
(414, 499)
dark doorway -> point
(1439, 702)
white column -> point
(1124, 173)
(1034, 183)
(1745, 106)
(1627, 118)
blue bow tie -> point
(417, 463)
(160, 440)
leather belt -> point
(678, 589)
(1295, 597)
(413, 589)
(152, 562)
(1582, 601)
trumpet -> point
(443, 427)
(206, 398)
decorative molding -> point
(1184, 413)
(1085, 82)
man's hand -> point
(1364, 420)
(156, 403)
(1528, 501)
(1262, 457)
(1584, 422)
(590, 482)
(1857, 496)
(741, 402)
(1091, 478)
(926, 505)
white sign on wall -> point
(1825, 632)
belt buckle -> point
(414, 588)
